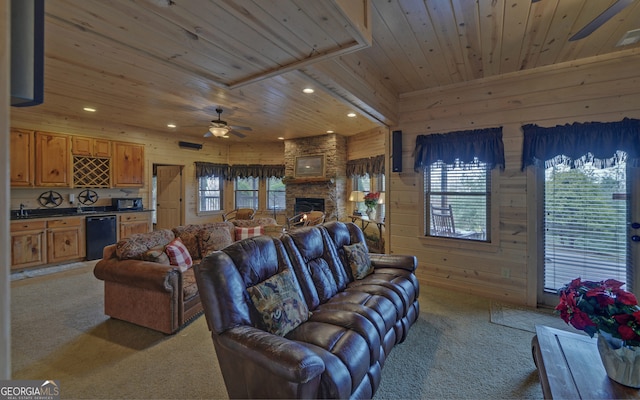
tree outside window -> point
(210, 193)
(247, 192)
(276, 199)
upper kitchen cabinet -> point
(90, 147)
(53, 160)
(21, 148)
(128, 164)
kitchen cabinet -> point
(90, 147)
(128, 164)
(28, 245)
(21, 150)
(53, 160)
(65, 239)
(131, 223)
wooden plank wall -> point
(599, 89)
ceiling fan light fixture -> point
(219, 131)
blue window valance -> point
(575, 144)
(462, 147)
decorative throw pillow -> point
(178, 254)
(157, 255)
(358, 259)
(213, 237)
(248, 232)
(279, 302)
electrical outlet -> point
(506, 272)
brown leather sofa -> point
(335, 351)
(148, 291)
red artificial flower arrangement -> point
(371, 199)
(601, 307)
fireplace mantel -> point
(288, 181)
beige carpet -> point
(60, 332)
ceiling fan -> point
(220, 128)
(606, 15)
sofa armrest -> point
(138, 273)
(280, 356)
(406, 262)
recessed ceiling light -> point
(171, 125)
(308, 90)
(351, 115)
(89, 109)
(280, 138)
(329, 131)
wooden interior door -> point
(169, 196)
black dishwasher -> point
(101, 232)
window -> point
(247, 192)
(585, 225)
(457, 200)
(276, 199)
(209, 193)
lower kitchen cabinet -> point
(134, 222)
(65, 239)
(28, 244)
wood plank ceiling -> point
(146, 63)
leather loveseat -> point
(140, 284)
(303, 316)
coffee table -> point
(569, 366)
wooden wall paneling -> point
(600, 90)
(367, 144)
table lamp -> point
(356, 196)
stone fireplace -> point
(329, 190)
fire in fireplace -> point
(306, 204)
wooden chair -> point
(442, 220)
(239, 213)
(305, 219)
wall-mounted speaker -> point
(187, 145)
(396, 151)
(27, 52)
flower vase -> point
(371, 213)
(622, 363)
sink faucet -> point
(22, 212)
(79, 209)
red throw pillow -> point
(248, 232)
(178, 254)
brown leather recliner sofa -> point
(337, 349)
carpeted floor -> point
(59, 332)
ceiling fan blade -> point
(601, 19)
(208, 134)
(238, 134)
(242, 128)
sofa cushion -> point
(279, 302)
(215, 236)
(157, 255)
(248, 232)
(262, 221)
(178, 254)
(189, 285)
(189, 236)
(358, 259)
(137, 244)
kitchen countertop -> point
(68, 212)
